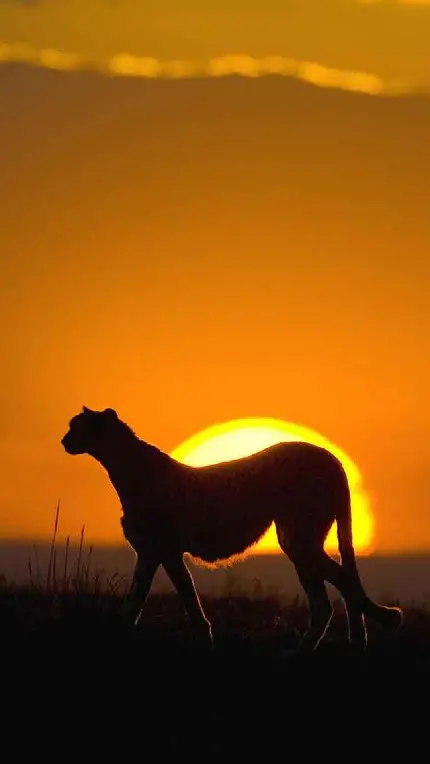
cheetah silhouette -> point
(215, 513)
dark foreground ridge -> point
(72, 662)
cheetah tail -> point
(387, 617)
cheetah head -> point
(88, 431)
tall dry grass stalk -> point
(75, 577)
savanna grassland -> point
(79, 674)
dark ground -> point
(75, 674)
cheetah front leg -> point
(182, 580)
(144, 572)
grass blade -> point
(51, 553)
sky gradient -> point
(195, 251)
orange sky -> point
(196, 251)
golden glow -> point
(349, 45)
(242, 437)
(126, 65)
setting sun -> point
(242, 437)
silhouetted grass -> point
(77, 659)
(70, 654)
(75, 575)
(73, 601)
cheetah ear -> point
(86, 410)
(111, 413)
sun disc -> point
(243, 437)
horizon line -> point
(120, 544)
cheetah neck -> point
(136, 471)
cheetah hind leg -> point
(320, 608)
(309, 569)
